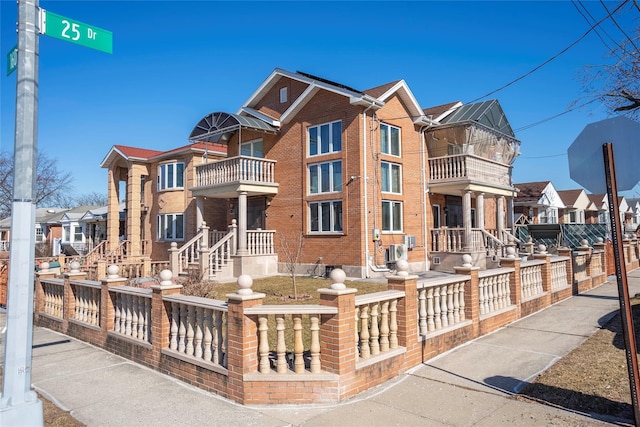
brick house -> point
(355, 179)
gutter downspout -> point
(366, 198)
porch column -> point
(199, 211)
(113, 208)
(480, 211)
(466, 220)
(242, 223)
(500, 216)
(133, 210)
(510, 214)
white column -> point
(510, 214)
(480, 211)
(242, 223)
(199, 211)
(466, 220)
(500, 216)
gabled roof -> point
(401, 89)
(440, 111)
(76, 213)
(147, 155)
(599, 200)
(488, 113)
(530, 191)
(569, 197)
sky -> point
(174, 62)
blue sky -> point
(173, 62)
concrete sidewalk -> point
(468, 386)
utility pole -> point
(19, 405)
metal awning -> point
(218, 127)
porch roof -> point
(218, 127)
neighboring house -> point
(46, 230)
(599, 213)
(634, 209)
(577, 204)
(74, 232)
(539, 202)
(355, 179)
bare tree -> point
(52, 184)
(617, 84)
(291, 245)
(91, 199)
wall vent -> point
(436, 260)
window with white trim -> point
(389, 139)
(171, 227)
(252, 148)
(283, 95)
(323, 139)
(170, 175)
(325, 216)
(391, 216)
(77, 233)
(391, 174)
(39, 234)
(325, 177)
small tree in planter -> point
(291, 249)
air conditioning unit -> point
(396, 253)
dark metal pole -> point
(626, 317)
(19, 404)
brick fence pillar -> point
(472, 294)
(44, 273)
(160, 320)
(407, 314)
(338, 331)
(242, 337)
(107, 312)
(564, 251)
(515, 285)
(69, 301)
(546, 275)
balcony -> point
(225, 178)
(467, 169)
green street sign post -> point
(76, 32)
(12, 60)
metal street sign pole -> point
(19, 405)
(626, 317)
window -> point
(389, 139)
(325, 138)
(391, 177)
(283, 95)
(171, 227)
(252, 149)
(66, 233)
(391, 216)
(548, 216)
(435, 210)
(170, 175)
(325, 177)
(77, 234)
(39, 234)
(325, 216)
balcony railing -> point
(236, 169)
(468, 167)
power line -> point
(552, 58)
(618, 25)
(589, 21)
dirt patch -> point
(593, 378)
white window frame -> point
(162, 227)
(39, 234)
(283, 94)
(388, 206)
(332, 145)
(335, 226)
(335, 183)
(386, 146)
(77, 234)
(164, 181)
(389, 182)
(253, 148)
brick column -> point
(582, 250)
(515, 286)
(472, 293)
(44, 273)
(338, 345)
(107, 312)
(564, 251)
(160, 320)
(407, 314)
(600, 246)
(69, 302)
(546, 275)
(242, 337)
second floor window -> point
(389, 139)
(325, 139)
(391, 216)
(171, 227)
(170, 175)
(325, 177)
(252, 149)
(391, 177)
